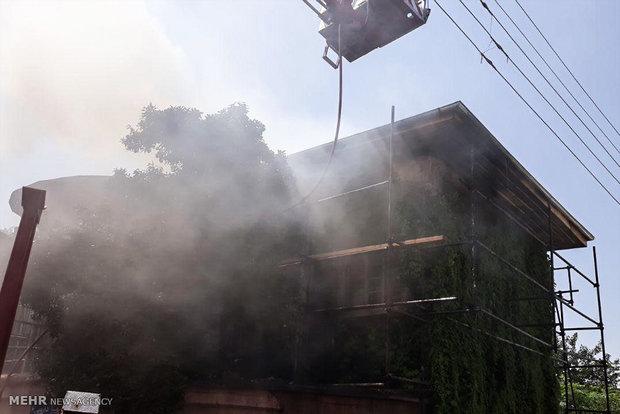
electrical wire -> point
(569, 71)
(528, 104)
(539, 92)
(556, 75)
(567, 68)
(336, 135)
(486, 7)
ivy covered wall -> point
(468, 369)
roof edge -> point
(459, 110)
(553, 201)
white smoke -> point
(73, 71)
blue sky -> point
(74, 74)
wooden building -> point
(427, 237)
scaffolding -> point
(25, 332)
(563, 302)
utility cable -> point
(569, 71)
(527, 103)
(336, 135)
(548, 82)
(540, 93)
(556, 75)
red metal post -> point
(33, 202)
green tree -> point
(583, 355)
(133, 289)
(587, 388)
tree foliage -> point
(581, 355)
(133, 290)
(586, 389)
(586, 397)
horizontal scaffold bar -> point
(584, 328)
(408, 380)
(512, 266)
(420, 242)
(587, 366)
(498, 338)
(566, 303)
(346, 193)
(521, 331)
(387, 305)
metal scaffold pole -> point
(601, 328)
(387, 273)
(473, 236)
(559, 312)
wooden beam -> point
(559, 215)
(423, 241)
(523, 195)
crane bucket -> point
(366, 25)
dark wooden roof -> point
(450, 133)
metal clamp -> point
(327, 59)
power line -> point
(539, 92)
(569, 71)
(556, 75)
(548, 82)
(527, 103)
